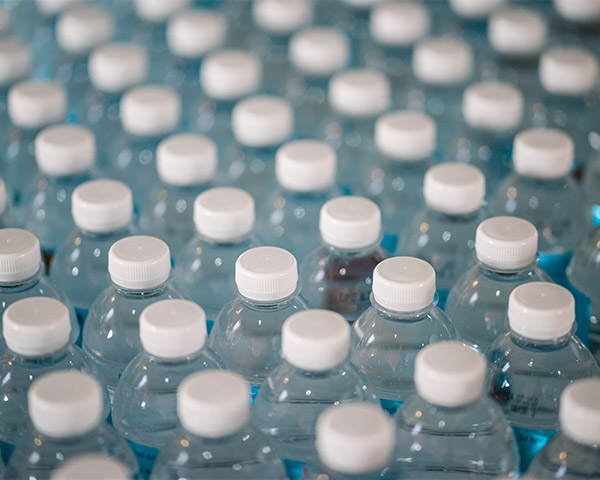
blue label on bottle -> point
(596, 215)
(294, 469)
(145, 457)
(6, 450)
(530, 442)
(389, 242)
(390, 406)
(555, 265)
(253, 394)
(442, 297)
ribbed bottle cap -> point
(92, 467)
(398, 23)
(493, 106)
(517, 31)
(158, 10)
(541, 311)
(52, 7)
(186, 159)
(230, 74)
(305, 166)
(355, 438)
(579, 412)
(15, 61)
(315, 340)
(173, 328)
(102, 206)
(192, 33)
(543, 153)
(3, 197)
(281, 16)
(80, 29)
(117, 67)
(475, 8)
(262, 121)
(224, 214)
(404, 284)
(64, 150)
(580, 11)
(568, 71)
(449, 374)
(350, 222)
(359, 93)
(36, 326)
(506, 243)
(20, 255)
(65, 404)
(150, 110)
(36, 103)
(442, 61)
(213, 403)
(139, 262)
(319, 51)
(454, 188)
(405, 135)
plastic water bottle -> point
(186, 164)
(315, 374)
(405, 142)
(305, 171)
(98, 466)
(443, 233)
(506, 251)
(247, 332)
(532, 364)
(459, 430)
(205, 267)
(573, 451)
(402, 319)
(15, 65)
(66, 412)
(140, 274)
(215, 439)
(173, 334)
(338, 274)
(6, 216)
(591, 188)
(578, 22)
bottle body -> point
(565, 458)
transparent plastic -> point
(565, 458)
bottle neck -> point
(23, 284)
(508, 274)
(278, 304)
(408, 317)
(149, 291)
(543, 345)
(44, 359)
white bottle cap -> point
(213, 403)
(449, 374)
(543, 153)
(36, 103)
(173, 328)
(568, 71)
(20, 255)
(579, 412)
(405, 135)
(517, 31)
(92, 467)
(281, 16)
(36, 326)
(102, 206)
(541, 311)
(186, 159)
(65, 404)
(139, 262)
(262, 121)
(3, 197)
(52, 7)
(319, 51)
(15, 61)
(305, 166)
(315, 340)
(64, 150)
(359, 93)
(350, 223)
(355, 438)
(506, 243)
(454, 188)
(192, 33)
(224, 214)
(150, 110)
(493, 106)
(398, 24)
(475, 8)
(117, 67)
(580, 11)
(442, 61)
(158, 10)
(404, 284)
(230, 74)
(82, 28)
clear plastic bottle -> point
(530, 366)
(451, 428)
(403, 318)
(6, 215)
(214, 439)
(205, 267)
(66, 412)
(338, 274)
(173, 334)
(443, 233)
(315, 374)
(92, 465)
(506, 251)
(15, 64)
(591, 188)
(247, 332)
